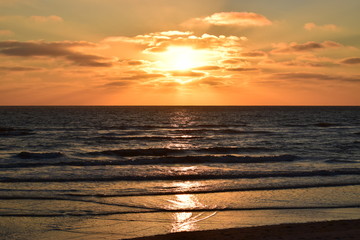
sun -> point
(182, 58)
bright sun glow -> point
(182, 58)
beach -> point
(329, 230)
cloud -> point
(239, 19)
(214, 81)
(207, 68)
(54, 50)
(187, 74)
(117, 84)
(175, 33)
(312, 26)
(40, 48)
(6, 33)
(19, 69)
(353, 60)
(308, 46)
(297, 63)
(160, 41)
(254, 54)
(303, 61)
(311, 60)
(135, 62)
(88, 60)
(235, 61)
(140, 75)
(315, 76)
(43, 19)
(241, 69)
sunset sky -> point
(188, 52)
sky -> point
(189, 52)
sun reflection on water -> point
(186, 220)
(188, 185)
(172, 145)
(181, 118)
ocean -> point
(122, 172)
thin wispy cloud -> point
(140, 75)
(302, 76)
(303, 47)
(351, 61)
(314, 27)
(208, 68)
(4, 32)
(241, 69)
(238, 19)
(63, 49)
(187, 74)
(254, 54)
(18, 69)
(43, 19)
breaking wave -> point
(187, 176)
(193, 160)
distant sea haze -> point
(115, 161)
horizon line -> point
(179, 105)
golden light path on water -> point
(186, 221)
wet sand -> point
(331, 230)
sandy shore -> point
(332, 230)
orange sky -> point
(162, 52)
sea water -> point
(121, 172)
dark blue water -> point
(95, 156)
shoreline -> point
(327, 230)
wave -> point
(173, 175)
(61, 195)
(327, 124)
(41, 155)
(155, 161)
(219, 125)
(295, 125)
(340, 161)
(14, 132)
(133, 127)
(320, 125)
(147, 138)
(193, 130)
(217, 159)
(243, 189)
(163, 210)
(170, 126)
(229, 131)
(172, 152)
